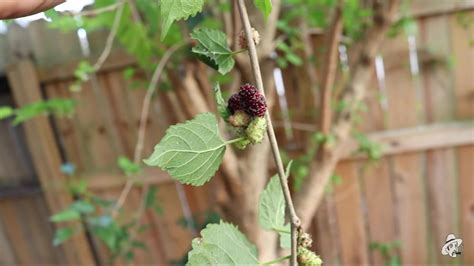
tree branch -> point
(308, 200)
(295, 222)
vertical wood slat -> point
(463, 54)
(439, 103)
(46, 159)
(376, 181)
(406, 169)
(353, 238)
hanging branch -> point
(142, 128)
(111, 37)
(295, 221)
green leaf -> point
(83, 70)
(190, 152)
(213, 44)
(265, 6)
(59, 107)
(66, 215)
(222, 244)
(150, 201)
(62, 235)
(83, 207)
(5, 112)
(127, 166)
(271, 209)
(294, 59)
(221, 103)
(285, 238)
(172, 10)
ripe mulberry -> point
(256, 105)
(247, 91)
(234, 103)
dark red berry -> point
(247, 91)
(256, 105)
(234, 103)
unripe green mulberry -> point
(239, 119)
(256, 130)
(307, 258)
(242, 144)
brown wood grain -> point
(439, 106)
(404, 110)
(348, 202)
(463, 54)
(45, 154)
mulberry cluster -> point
(248, 108)
(249, 100)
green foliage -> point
(63, 234)
(172, 10)
(66, 215)
(271, 211)
(151, 200)
(222, 244)
(83, 71)
(59, 107)
(289, 56)
(271, 208)
(220, 102)
(6, 111)
(355, 18)
(406, 25)
(213, 45)
(366, 146)
(127, 166)
(265, 6)
(190, 152)
(388, 251)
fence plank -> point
(439, 106)
(353, 238)
(46, 159)
(463, 54)
(406, 169)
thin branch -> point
(329, 78)
(295, 221)
(111, 37)
(97, 11)
(143, 122)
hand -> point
(20, 8)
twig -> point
(98, 11)
(295, 221)
(142, 128)
(111, 37)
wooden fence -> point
(420, 191)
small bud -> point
(305, 240)
(256, 130)
(243, 39)
(239, 119)
(308, 258)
